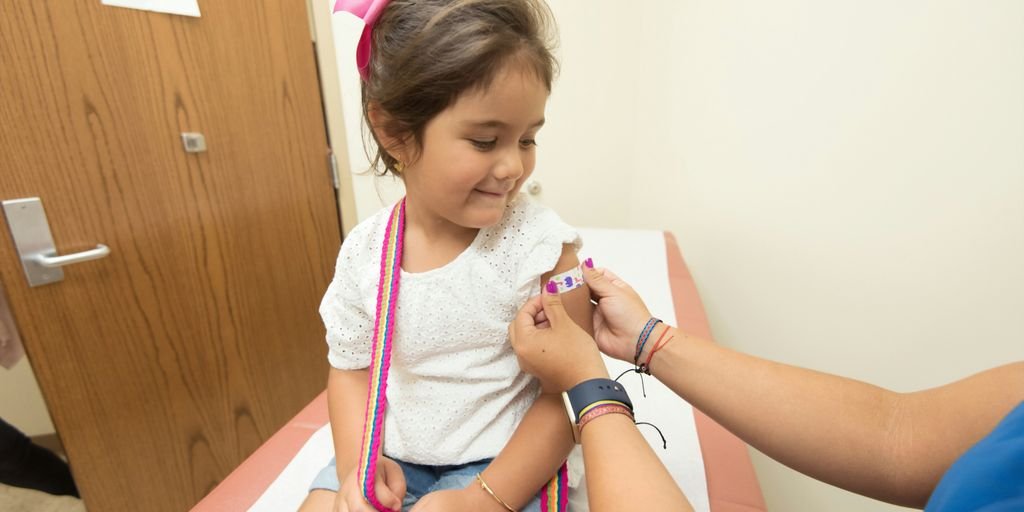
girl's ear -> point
(383, 127)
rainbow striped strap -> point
(554, 497)
(380, 355)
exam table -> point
(711, 465)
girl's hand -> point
(620, 314)
(550, 346)
(389, 486)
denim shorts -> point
(421, 480)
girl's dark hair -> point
(425, 53)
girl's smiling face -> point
(476, 154)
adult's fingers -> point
(616, 281)
(541, 320)
(604, 283)
(553, 307)
(524, 322)
(531, 309)
(599, 282)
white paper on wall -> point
(182, 7)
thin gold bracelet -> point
(495, 496)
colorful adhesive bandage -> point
(569, 280)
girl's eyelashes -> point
(484, 145)
(487, 145)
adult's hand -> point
(620, 314)
(552, 347)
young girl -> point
(454, 92)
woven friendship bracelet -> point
(600, 403)
(642, 339)
(646, 366)
(657, 346)
(596, 412)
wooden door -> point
(167, 362)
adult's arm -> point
(879, 443)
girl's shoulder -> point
(528, 218)
(527, 243)
(364, 242)
(526, 224)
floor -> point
(16, 499)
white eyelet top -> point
(455, 391)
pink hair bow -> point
(368, 11)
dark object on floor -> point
(24, 464)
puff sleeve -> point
(545, 234)
(349, 326)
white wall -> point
(371, 193)
(846, 179)
(21, 401)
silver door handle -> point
(101, 251)
(32, 239)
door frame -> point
(334, 113)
